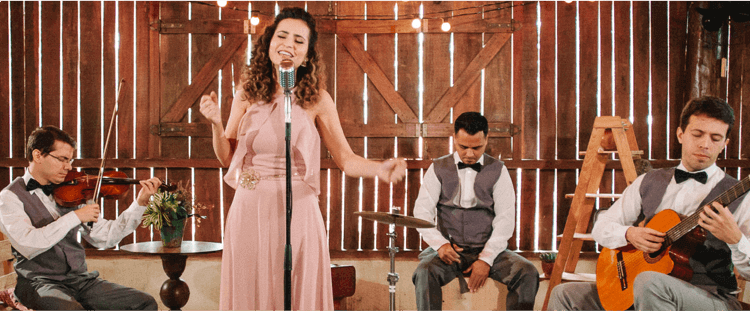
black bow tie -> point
(33, 184)
(476, 166)
(680, 176)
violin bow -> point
(106, 146)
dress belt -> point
(249, 178)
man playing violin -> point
(705, 124)
(50, 262)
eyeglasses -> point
(62, 160)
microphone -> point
(286, 74)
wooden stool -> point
(344, 279)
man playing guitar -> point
(705, 124)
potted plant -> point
(168, 211)
(548, 262)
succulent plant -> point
(548, 257)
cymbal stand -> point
(392, 250)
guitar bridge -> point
(621, 272)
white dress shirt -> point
(610, 227)
(425, 207)
(31, 241)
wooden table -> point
(174, 292)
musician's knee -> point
(649, 283)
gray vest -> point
(712, 261)
(469, 227)
(65, 259)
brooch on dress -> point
(248, 179)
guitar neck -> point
(690, 222)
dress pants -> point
(83, 292)
(509, 268)
(651, 291)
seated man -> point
(50, 262)
(471, 195)
(705, 124)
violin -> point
(80, 187)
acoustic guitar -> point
(616, 269)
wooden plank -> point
(126, 102)
(206, 181)
(5, 104)
(352, 111)
(378, 78)
(335, 212)
(471, 45)
(745, 111)
(588, 92)
(109, 77)
(566, 97)
(641, 70)
(326, 44)
(526, 110)
(141, 83)
(31, 65)
(467, 77)
(408, 77)
(498, 89)
(412, 239)
(70, 68)
(588, 77)
(606, 57)
(383, 205)
(173, 80)
(677, 74)
(201, 81)
(18, 132)
(622, 59)
(659, 80)
(109, 93)
(737, 50)
(381, 52)
(50, 55)
(206, 185)
(90, 88)
(124, 202)
(437, 68)
(565, 164)
(154, 87)
(331, 26)
(547, 123)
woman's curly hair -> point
(260, 78)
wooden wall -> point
(540, 71)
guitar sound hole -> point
(655, 256)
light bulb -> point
(416, 23)
(221, 3)
(445, 26)
(255, 20)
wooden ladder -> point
(584, 199)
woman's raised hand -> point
(210, 108)
(392, 170)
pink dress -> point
(252, 266)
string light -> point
(445, 26)
(416, 23)
(450, 13)
(254, 19)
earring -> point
(304, 64)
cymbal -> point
(396, 219)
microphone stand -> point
(288, 246)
